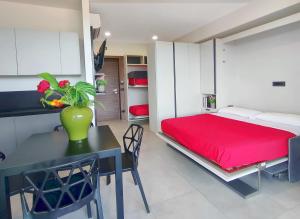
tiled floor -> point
(178, 188)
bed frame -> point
(232, 179)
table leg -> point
(119, 186)
(5, 209)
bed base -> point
(244, 189)
(231, 180)
(294, 159)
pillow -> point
(248, 113)
(288, 119)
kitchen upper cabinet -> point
(207, 65)
(30, 52)
(37, 52)
(8, 54)
(70, 53)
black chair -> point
(2, 156)
(132, 140)
(61, 189)
(60, 127)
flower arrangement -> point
(65, 94)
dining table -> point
(47, 149)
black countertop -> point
(22, 103)
(28, 112)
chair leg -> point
(136, 174)
(99, 207)
(134, 179)
(98, 202)
(108, 180)
(89, 210)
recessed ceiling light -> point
(155, 37)
(107, 34)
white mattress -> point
(293, 129)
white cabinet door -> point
(37, 52)
(207, 67)
(8, 55)
(161, 83)
(187, 75)
(70, 53)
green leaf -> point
(48, 93)
(51, 79)
(98, 103)
(86, 88)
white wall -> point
(253, 14)
(40, 18)
(123, 48)
(253, 63)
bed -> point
(138, 78)
(138, 81)
(139, 110)
(232, 146)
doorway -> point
(112, 98)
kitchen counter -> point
(22, 103)
(22, 115)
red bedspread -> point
(138, 81)
(139, 110)
(229, 143)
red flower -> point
(63, 83)
(43, 86)
(56, 103)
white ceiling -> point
(137, 20)
(70, 4)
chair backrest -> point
(2, 156)
(60, 189)
(132, 141)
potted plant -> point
(212, 101)
(101, 84)
(76, 117)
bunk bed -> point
(137, 92)
(138, 81)
(139, 111)
(232, 147)
(138, 78)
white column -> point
(88, 56)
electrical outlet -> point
(278, 83)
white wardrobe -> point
(174, 81)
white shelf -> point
(133, 118)
(138, 86)
(101, 94)
(266, 27)
(137, 94)
(137, 65)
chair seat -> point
(54, 193)
(107, 165)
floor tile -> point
(177, 187)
